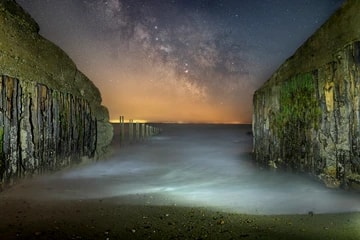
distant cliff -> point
(50, 113)
(307, 115)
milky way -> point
(197, 61)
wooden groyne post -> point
(122, 129)
(131, 130)
(142, 132)
(134, 131)
(137, 131)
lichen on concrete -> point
(307, 115)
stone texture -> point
(307, 116)
(104, 131)
(51, 114)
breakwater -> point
(307, 115)
(50, 113)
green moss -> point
(298, 104)
(355, 176)
(16, 11)
(330, 171)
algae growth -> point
(298, 104)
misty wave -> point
(192, 165)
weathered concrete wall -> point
(307, 116)
(50, 113)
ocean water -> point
(191, 165)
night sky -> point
(179, 60)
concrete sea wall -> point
(307, 115)
(50, 113)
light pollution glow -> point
(177, 60)
(155, 93)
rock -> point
(104, 131)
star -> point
(195, 54)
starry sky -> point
(179, 60)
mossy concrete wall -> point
(307, 115)
(42, 88)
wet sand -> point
(104, 219)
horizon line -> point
(180, 122)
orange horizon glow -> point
(174, 122)
(168, 103)
(156, 93)
(179, 65)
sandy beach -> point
(104, 219)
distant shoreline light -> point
(128, 120)
(175, 122)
